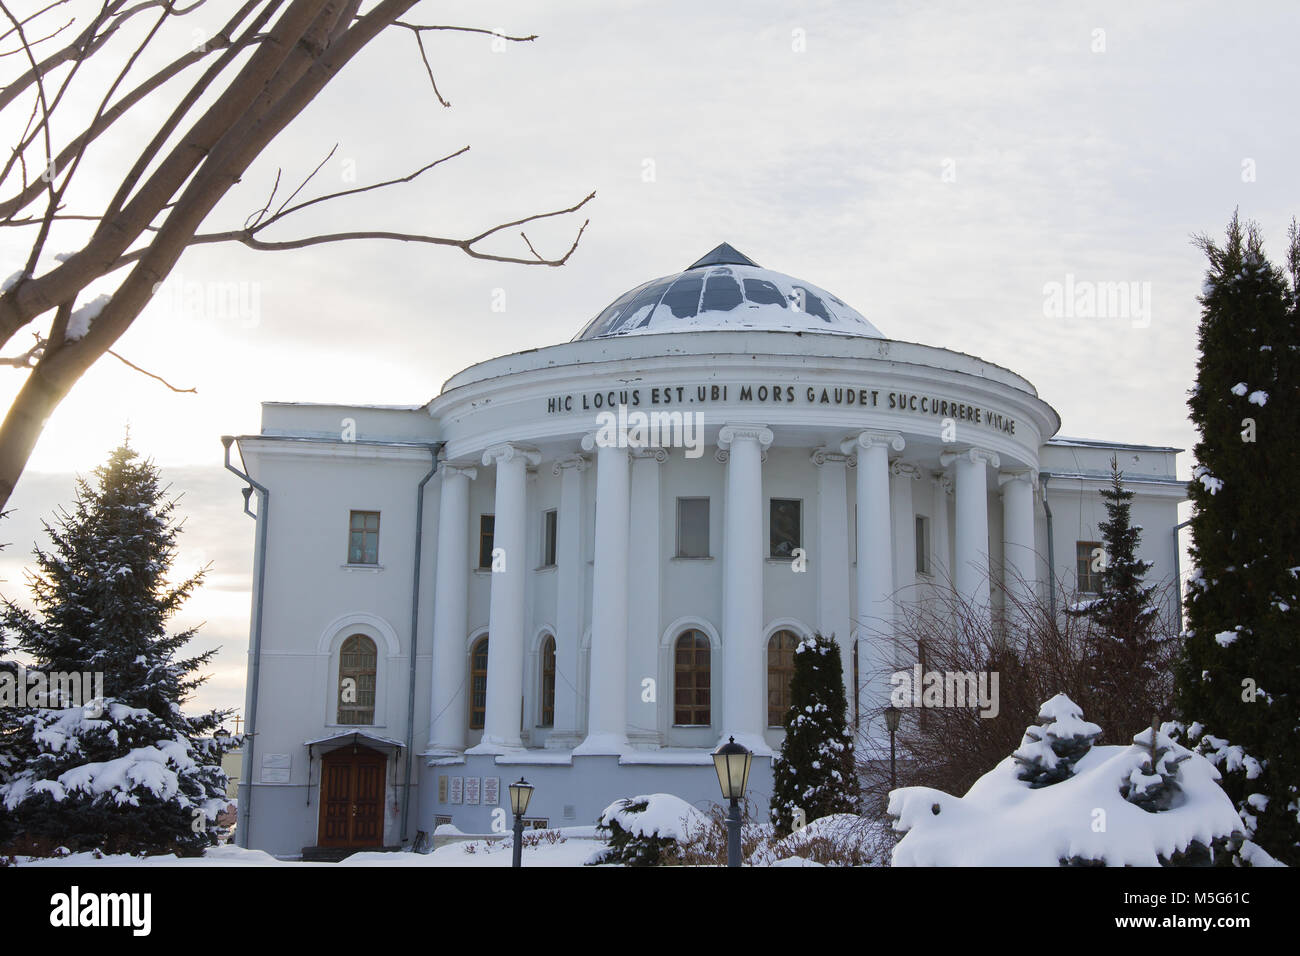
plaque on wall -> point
(455, 789)
(491, 791)
(442, 788)
(276, 768)
(472, 790)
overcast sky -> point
(937, 166)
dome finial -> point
(724, 255)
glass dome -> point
(727, 290)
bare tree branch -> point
(150, 374)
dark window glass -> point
(357, 660)
(486, 528)
(692, 527)
(785, 526)
(478, 675)
(548, 682)
(548, 539)
(780, 670)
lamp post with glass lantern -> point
(520, 794)
(732, 761)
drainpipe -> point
(245, 791)
(1178, 571)
(1043, 479)
(415, 619)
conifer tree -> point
(1238, 685)
(1048, 752)
(1124, 645)
(814, 775)
(130, 772)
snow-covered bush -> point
(1152, 803)
(647, 830)
(842, 839)
(1048, 753)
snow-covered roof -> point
(727, 290)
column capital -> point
(904, 469)
(505, 452)
(828, 455)
(1029, 474)
(944, 481)
(457, 470)
(974, 455)
(578, 463)
(872, 439)
(659, 455)
(592, 442)
(744, 431)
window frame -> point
(922, 531)
(771, 531)
(480, 641)
(547, 668)
(364, 531)
(487, 537)
(787, 671)
(708, 537)
(550, 537)
(358, 671)
(1084, 575)
(693, 710)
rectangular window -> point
(922, 544)
(785, 527)
(548, 538)
(1087, 557)
(363, 537)
(486, 529)
(692, 527)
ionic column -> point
(875, 578)
(940, 535)
(1019, 569)
(643, 600)
(505, 689)
(607, 694)
(744, 713)
(971, 540)
(569, 603)
(447, 702)
(833, 555)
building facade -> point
(587, 565)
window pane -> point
(922, 544)
(693, 527)
(486, 527)
(548, 538)
(785, 527)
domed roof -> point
(727, 290)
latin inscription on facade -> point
(681, 397)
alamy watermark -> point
(935, 689)
(53, 689)
(639, 429)
(1086, 299)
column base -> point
(603, 745)
(494, 746)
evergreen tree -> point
(1048, 752)
(1124, 644)
(1239, 681)
(130, 772)
(814, 775)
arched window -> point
(691, 679)
(780, 670)
(548, 682)
(478, 660)
(357, 661)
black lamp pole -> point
(731, 761)
(519, 841)
(520, 794)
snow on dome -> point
(727, 290)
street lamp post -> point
(732, 761)
(520, 794)
(892, 714)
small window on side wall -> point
(785, 527)
(692, 527)
(549, 525)
(922, 544)
(1090, 562)
(363, 537)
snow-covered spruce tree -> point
(1238, 684)
(814, 774)
(131, 772)
(1049, 751)
(1124, 653)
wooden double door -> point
(352, 797)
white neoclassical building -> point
(589, 564)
